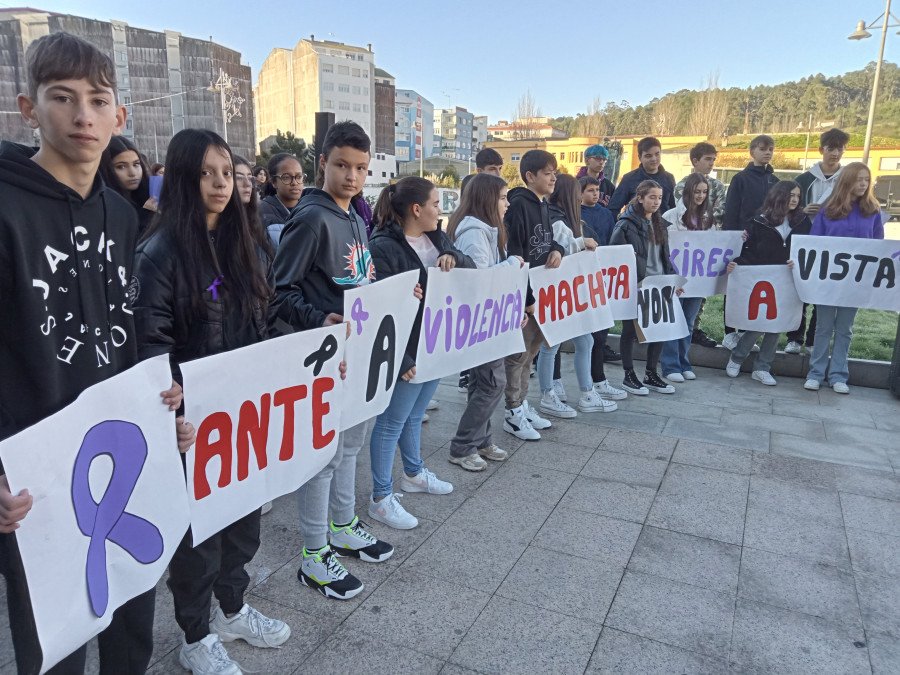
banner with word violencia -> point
(701, 257)
(470, 317)
(110, 506)
(570, 299)
(618, 270)
(660, 317)
(846, 271)
(763, 298)
(381, 316)
(272, 429)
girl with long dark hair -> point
(126, 172)
(244, 184)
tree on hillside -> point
(510, 173)
(592, 123)
(524, 124)
(287, 142)
(709, 112)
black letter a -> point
(382, 352)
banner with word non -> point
(109, 504)
(381, 316)
(470, 317)
(846, 271)
(618, 270)
(701, 257)
(763, 298)
(571, 299)
(660, 317)
(269, 431)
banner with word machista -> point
(109, 504)
(701, 257)
(847, 272)
(763, 298)
(272, 429)
(660, 317)
(470, 317)
(570, 299)
(617, 267)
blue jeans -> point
(837, 321)
(583, 346)
(400, 423)
(674, 358)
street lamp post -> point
(230, 98)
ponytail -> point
(395, 200)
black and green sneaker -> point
(353, 540)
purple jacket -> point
(854, 225)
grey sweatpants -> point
(333, 487)
(486, 385)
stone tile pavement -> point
(729, 528)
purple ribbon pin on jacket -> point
(214, 286)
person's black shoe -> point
(633, 384)
(610, 354)
(654, 382)
(700, 338)
(463, 386)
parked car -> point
(887, 192)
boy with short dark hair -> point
(489, 161)
(750, 186)
(530, 233)
(595, 158)
(324, 251)
(650, 154)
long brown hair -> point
(252, 207)
(394, 201)
(481, 200)
(776, 206)
(567, 196)
(699, 213)
(658, 232)
(840, 203)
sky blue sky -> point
(486, 54)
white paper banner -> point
(109, 504)
(701, 256)
(570, 299)
(847, 272)
(617, 267)
(272, 428)
(381, 316)
(762, 298)
(660, 317)
(470, 317)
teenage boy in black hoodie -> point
(650, 154)
(66, 251)
(323, 251)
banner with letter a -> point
(618, 269)
(660, 317)
(110, 506)
(763, 298)
(272, 429)
(701, 256)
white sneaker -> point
(390, 512)
(754, 348)
(536, 421)
(471, 462)
(265, 508)
(560, 390)
(425, 481)
(731, 340)
(689, 375)
(811, 385)
(765, 377)
(432, 405)
(515, 423)
(675, 377)
(732, 369)
(793, 348)
(840, 388)
(551, 405)
(493, 453)
(207, 657)
(251, 627)
(591, 401)
(606, 390)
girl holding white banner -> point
(850, 211)
(203, 286)
(407, 236)
(768, 242)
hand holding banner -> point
(660, 316)
(701, 257)
(762, 298)
(617, 267)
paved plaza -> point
(729, 528)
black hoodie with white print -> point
(65, 269)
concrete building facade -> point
(454, 127)
(479, 133)
(385, 93)
(413, 126)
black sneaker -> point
(633, 384)
(463, 385)
(352, 540)
(610, 354)
(698, 337)
(653, 381)
(323, 571)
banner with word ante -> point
(110, 506)
(470, 317)
(571, 299)
(847, 272)
(763, 298)
(269, 431)
(701, 256)
(660, 317)
(617, 268)
(381, 316)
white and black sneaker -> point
(654, 382)
(536, 421)
(323, 571)
(516, 423)
(632, 384)
(352, 540)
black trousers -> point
(125, 646)
(626, 347)
(801, 332)
(215, 566)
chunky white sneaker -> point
(560, 390)
(470, 462)
(207, 657)
(251, 627)
(765, 377)
(793, 348)
(606, 390)
(731, 341)
(551, 405)
(432, 405)
(811, 385)
(425, 481)
(732, 369)
(840, 388)
(515, 423)
(675, 377)
(493, 453)
(536, 421)
(689, 375)
(390, 512)
(591, 401)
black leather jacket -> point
(633, 230)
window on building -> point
(343, 70)
(356, 72)
(370, 172)
(365, 74)
(344, 88)
(357, 107)
(384, 174)
(327, 68)
(329, 103)
(514, 158)
(365, 91)
(365, 107)
(343, 105)
(357, 90)
(328, 86)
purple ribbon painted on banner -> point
(358, 314)
(124, 443)
(896, 255)
(214, 286)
